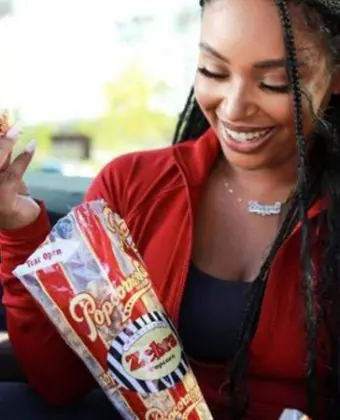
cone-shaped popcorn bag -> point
(91, 282)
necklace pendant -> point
(255, 207)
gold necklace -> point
(260, 209)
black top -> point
(211, 316)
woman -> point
(221, 220)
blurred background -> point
(92, 79)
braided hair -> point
(322, 302)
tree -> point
(129, 123)
(130, 120)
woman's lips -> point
(246, 141)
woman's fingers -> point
(23, 189)
(13, 133)
(17, 209)
(6, 146)
(17, 168)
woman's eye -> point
(276, 84)
(212, 75)
(284, 88)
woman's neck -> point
(265, 184)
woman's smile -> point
(245, 141)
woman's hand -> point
(17, 208)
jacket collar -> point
(197, 157)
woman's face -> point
(242, 86)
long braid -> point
(191, 123)
(238, 392)
(303, 195)
(183, 117)
(330, 286)
(328, 136)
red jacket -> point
(157, 193)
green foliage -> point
(129, 121)
(41, 133)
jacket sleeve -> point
(51, 367)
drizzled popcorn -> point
(4, 123)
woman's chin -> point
(245, 161)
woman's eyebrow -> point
(208, 48)
(276, 63)
(271, 64)
(265, 64)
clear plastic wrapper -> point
(290, 414)
(91, 282)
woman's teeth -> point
(243, 137)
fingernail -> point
(30, 148)
(13, 133)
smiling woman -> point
(242, 87)
(245, 84)
(237, 222)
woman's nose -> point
(238, 104)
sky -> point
(61, 52)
